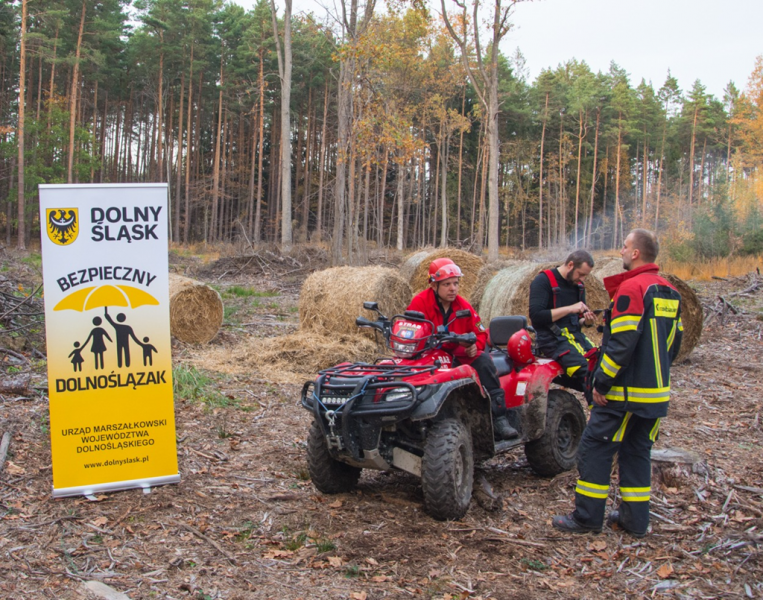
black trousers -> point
(485, 368)
(611, 431)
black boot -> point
(501, 427)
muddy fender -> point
(430, 407)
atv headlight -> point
(396, 394)
(404, 349)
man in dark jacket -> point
(557, 311)
(642, 337)
(439, 304)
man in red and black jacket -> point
(439, 304)
(642, 337)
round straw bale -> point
(331, 300)
(412, 262)
(196, 310)
(691, 315)
(470, 265)
(487, 273)
(508, 293)
(606, 266)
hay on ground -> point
(304, 353)
(508, 293)
(196, 310)
(331, 300)
(417, 268)
(412, 262)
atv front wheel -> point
(556, 450)
(328, 474)
(447, 470)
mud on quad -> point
(419, 413)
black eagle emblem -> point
(63, 225)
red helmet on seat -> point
(443, 268)
(520, 347)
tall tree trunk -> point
(73, 95)
(460, 169)
(400, 200)
(160, 108)
(691, 160)
(443, 186)
(284, 69)
(382, 192)
(256, 237)
(179, 167)
(659, 173)
(594, 176)
(21, 239)
(216, 165)
(540, 180)
(617, 179)
(188, 147)
(581, 135)
(52, 89)
(322, 167)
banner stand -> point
(106, 283)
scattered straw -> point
(196, 310)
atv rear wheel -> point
(329, 475)
(447, 470)
(556, 450)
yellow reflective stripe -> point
(641, 395)
(656, 351)
(626, 323)
(655, 431)
(664, 307)
(680, 325)
(571, 339)
(618, 437)
(609, 366)
(571, 370)
(635, 494)
(592, 490)
(672, 336)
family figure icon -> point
(123, 334)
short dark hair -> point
(578, 257)
(646, 242)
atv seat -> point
(501, 329)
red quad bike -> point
(418, 413)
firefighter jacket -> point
(642, 336)
(427, 303)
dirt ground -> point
(245, 521)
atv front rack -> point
(343, 385)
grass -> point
(196, 386)
(239, 291)
(704, 270)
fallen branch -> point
(15, 354)
(207, 539)
(4, 448)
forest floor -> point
(245, 521)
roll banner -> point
(107, 321)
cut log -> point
(196, 310)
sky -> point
(715, 42)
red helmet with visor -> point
(443, 268)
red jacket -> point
(426, 302)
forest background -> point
(398, 129)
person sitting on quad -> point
(557, 311)
(439, 304)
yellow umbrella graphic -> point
(106, 295)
